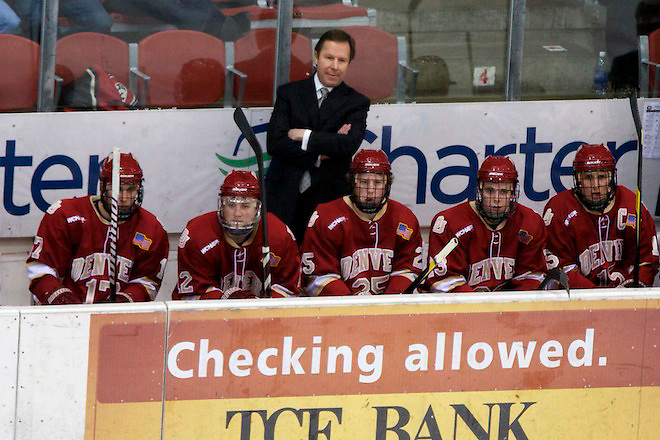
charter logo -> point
(231, 163)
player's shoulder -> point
(200, 230)
(561, 207)
(624, 195)
(204, 223)
(73, 209)
(529, 217)
(526, 211)
(275, 225)
(278, 231)
(561, 200)
(332, 216)
(454, 219)
(402, 211)
(458, 213)
(329, 210)
(149, 219)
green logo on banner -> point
(229, 164)
(250, 163)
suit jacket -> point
(296, 106)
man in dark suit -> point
(316, 126)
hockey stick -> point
(638, 201)
(555, 278)
(246, 129)
(433, 263)
(113, 234)
(439, 257)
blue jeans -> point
(85, 15)
(9, 21)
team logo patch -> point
(524, 236)
(142, 241)
(404, 231)
(274, 260)
(631, 220)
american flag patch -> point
(140, 240)
(524, 236)
(630, 221)
(404, 231)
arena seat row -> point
(263, 14)
(185, 69)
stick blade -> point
(556, 279)
(246, 129)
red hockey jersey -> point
(508, 258)
(599, 250)
(212, 265)
(71, 249)
(346, 254)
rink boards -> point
(523, 365)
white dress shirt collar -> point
(319, 85)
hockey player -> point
(69, 261)
(501, 242)
(220, 252)
(365, 243)
(591, 228)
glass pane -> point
(454, 44)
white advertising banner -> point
(9, 325)
(435, 150)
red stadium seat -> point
(19, 70)
(77, 52)
(187, 68)
(254, 55)
(379, 68)
(649, 57)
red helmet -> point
(130, 172)
(594, 158)
(371, 161)
(240, 184)
(241, 187)
(497, 169)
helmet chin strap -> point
(591, 205)
(126, 213)
(492, 221)
(368, 208)
(371, 208)
(239, 235)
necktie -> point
(306, 180)
(324, 94)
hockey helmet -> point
(593, 158)
(130, 173)
(375, 162)
(240, 190)
(497, 169)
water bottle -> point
(600, 75)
